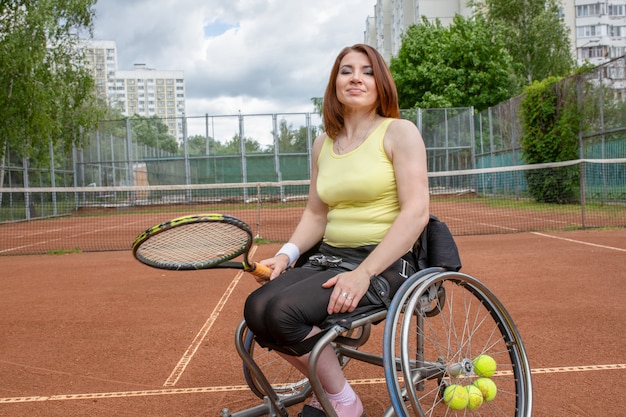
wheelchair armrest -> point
(360, 319)
(360, 314)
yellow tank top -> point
(360, 190)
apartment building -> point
(101, 57)
(391, 18)
(143, 91)
(147, 92)
(597, 27)
(600, 29)
(599, 36)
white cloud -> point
(253, 56)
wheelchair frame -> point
(436, 324)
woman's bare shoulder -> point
(318, 142)
(402, 132)
(403, 125)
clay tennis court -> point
(99, 334)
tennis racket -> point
(202, 241)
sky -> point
(248, 56)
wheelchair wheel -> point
(284, 378)
(437, 324)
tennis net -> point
(543, 197)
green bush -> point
(551, 121)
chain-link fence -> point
(601, 95)
(227, 149)
(236, 149)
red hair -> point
(387, 105)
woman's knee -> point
(254, 314)
(285, 321)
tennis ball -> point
(484, 365)
(475, 397)
(487, 387)
(455, 397)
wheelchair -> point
(436, 325)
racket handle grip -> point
(260, 271)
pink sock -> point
(345, 396)
(346, 403)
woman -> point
(368, 204)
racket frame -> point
(221, 262)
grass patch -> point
(540, 207)
(262, 241)
(64, 251)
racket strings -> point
(206, 243)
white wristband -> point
(291, 250)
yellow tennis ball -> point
(475, 397)
(484, 365)
(455, 397)
(487, 387)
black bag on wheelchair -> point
(436, 247)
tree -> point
(45, 93)
(318, 103)
(462, 65)
(535, 36)
(291, 140)
(233, 146)
(197, 145)
(151, 131)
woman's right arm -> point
(312, 224)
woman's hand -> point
(349, 288)
(278, 264)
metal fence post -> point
(186, 158)
(279, 176)
(581, 152)
(53, 180)
(491, 162)
(244, 168)
(27, 202)
(114, 168)
(309, 143)
(130, 175)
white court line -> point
(493, 226)
(233, 388)
(197, 341)
(579, 242)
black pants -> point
(283, 312)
